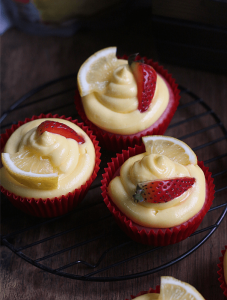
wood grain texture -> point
(29, 61)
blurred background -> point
(47, 39)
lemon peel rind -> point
(187, 287)
(84, 88)
(188, 150)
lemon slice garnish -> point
(172, 289)
(173, 148)
(31, 169)
(97, 70)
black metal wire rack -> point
(86, 241)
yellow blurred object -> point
(59, 10)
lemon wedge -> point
(31, 169)
(174, 289)
(173, 148)
(97, 70)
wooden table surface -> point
(29, 61)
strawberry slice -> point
(162, 191)
(60, 128)
(146, 78)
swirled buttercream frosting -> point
(148, 167)
(73, 162)
(115, 109)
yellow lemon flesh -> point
(173, 148)
(174, 289)
(97, 70)
(31, 169)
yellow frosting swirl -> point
(73, 162)
(147, 167)
(116, 109)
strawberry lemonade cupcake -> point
(49, 162)
(124, 99)
(157, 192)
(171, 288)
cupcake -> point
(49, 163)
(157, 192)
(124, 99)
(223, 271)
(170, 288)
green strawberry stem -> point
(137, 196)
(132, 58)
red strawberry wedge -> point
(60, 128)
(146, 78)
(162, 191)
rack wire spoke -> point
(190, 119)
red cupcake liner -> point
(116, 142)
(48, 208)
(153, 236)
(152, 291)
(220, 272)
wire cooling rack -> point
(86, 244)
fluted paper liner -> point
(116, 142)
(47, 208)
(151, 291)
(220, 272)
(153, 236)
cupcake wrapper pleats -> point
(48, 208)
(220, 272)
(116, 142)
(153, 236)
